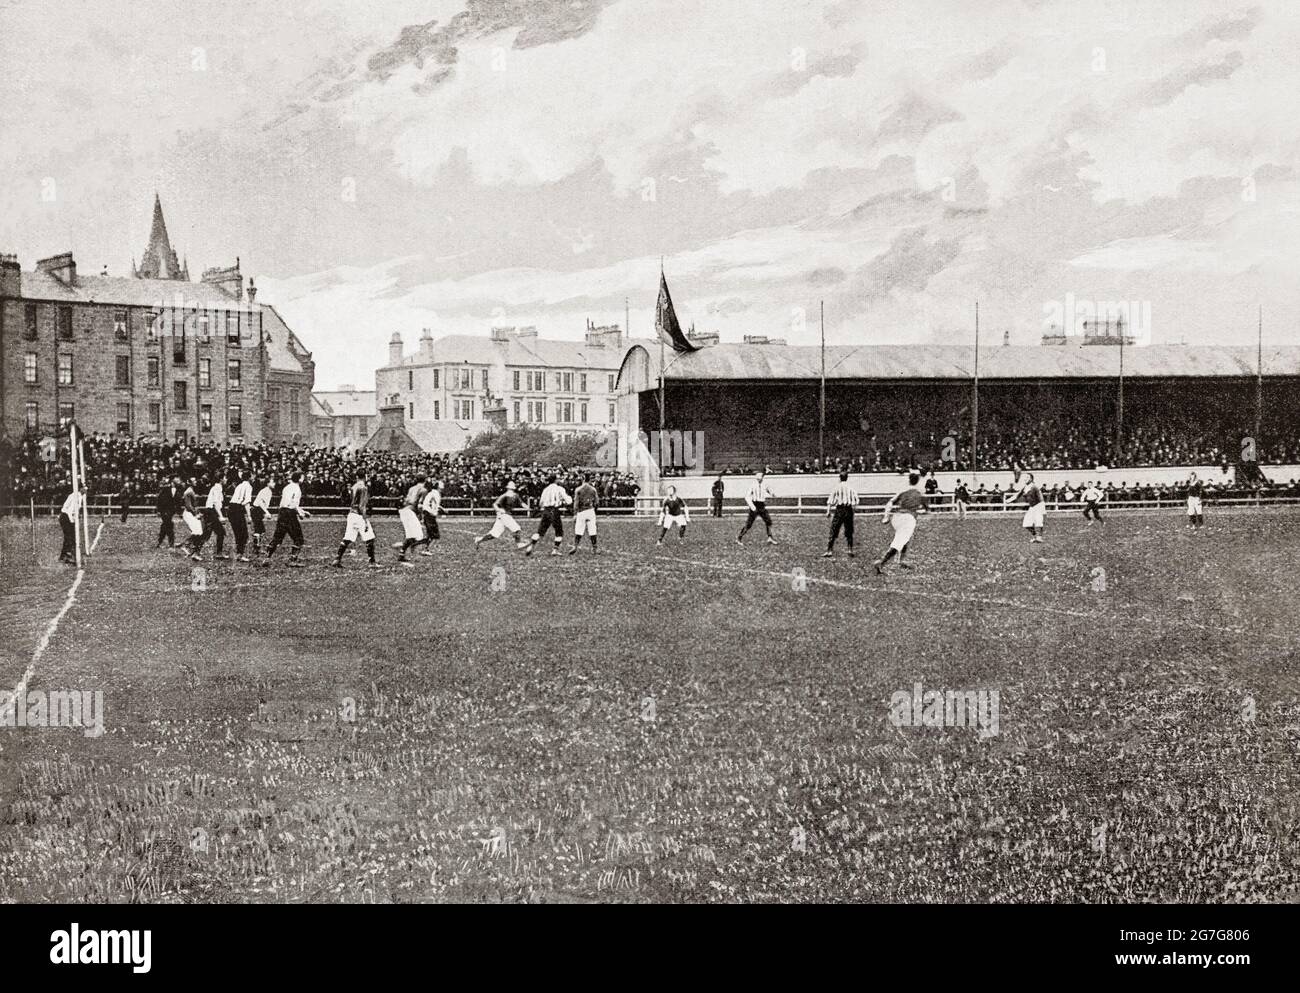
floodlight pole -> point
(1119, 423)
(1259, 383)
(821, 422)
(975, 402)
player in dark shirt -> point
(1195, 504)
(673, 513)
(901, 513)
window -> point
(564, 412)
(559, 382)
(65, 323)
(582, 382)
(205, 374)
(293, 410)
(180, 396)
(155, 324)
(66, 413)
(582, 412)
(122, 370)
(516, 375)
(123, 418)
(232, 329)
(151, 366)
(410, 411)
(29, 367)
(611, 414)
(65, 370)
(273, 409)
(566, 381)
(205, 418)
(119, 326)
(435, 379)
(182, 436)
(483, 373)
(611, 383)
(203, 324)
(516, 402)
(155, 415)
(410, 380)
(235, 418)
(437, 411)
(178, 345)
(465, 379)
(234, 372)
(30, 416)
(29, 322)
(530, 380)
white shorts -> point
(358, 526)
(671, 521)
(503, 524)
(1035, 516)
(904, 525)
(584, 522)
(411, 524)
(193, 523)
(1193, 506)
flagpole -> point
(975, 402)
(85, 504)
(821, 422)
(1119, 423)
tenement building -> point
(149, 355)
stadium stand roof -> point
(750, 363)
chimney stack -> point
(395, 349)
(252, 291)
(11, 276)
(227, 279)
(61, 267)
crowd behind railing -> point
(126, 471)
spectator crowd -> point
(133, 470)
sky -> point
(459, 164)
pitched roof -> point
(130, 292)
(286, 352)
(429, 436)
(348, 403)
(517, 351)
(798, 362)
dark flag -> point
(666, 320)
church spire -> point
(159, 260)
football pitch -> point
(699, 722)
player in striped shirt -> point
(674, 513)
(840, 506)
(901, 513)
(1195, 498)
(553, 501)
(358, 525)
(756, 500)
(585, 501)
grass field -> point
(701, 722)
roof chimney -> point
(252, 290)
(11, 276)
(227, 279)
(426, 344)
(395, 349)
(61, 267)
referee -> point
(839, 508)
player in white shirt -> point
(214, 521)
(261, 510)
(289, 522)
(430, 509)
(756, 500)
(553, 501)
(190, 515)
(1092, 497)
(240, 502)
(68, 524)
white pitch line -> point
(53, 626)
